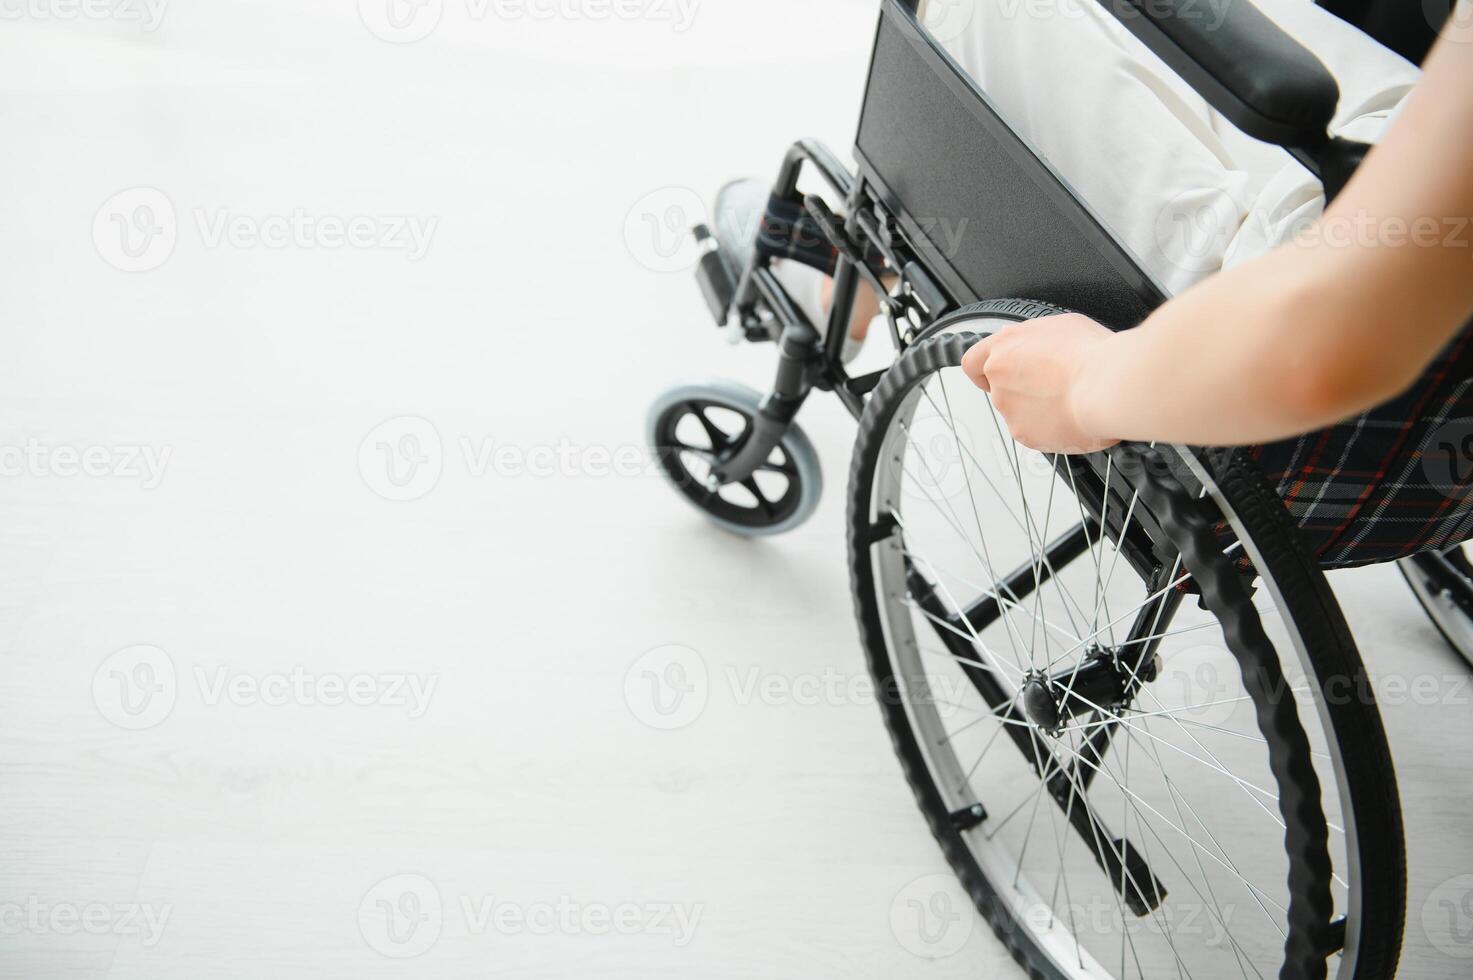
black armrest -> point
(1265, 83)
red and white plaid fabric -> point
(1396, 480)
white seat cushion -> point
(1175, 182)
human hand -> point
(1033, 372)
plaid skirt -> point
(1391, 482)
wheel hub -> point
(1101, 682)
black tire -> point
(1191, 498)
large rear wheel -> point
(1127, 703)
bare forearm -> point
(1261, 352)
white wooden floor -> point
(262, 716)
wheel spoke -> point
(719, 439)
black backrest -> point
(987, 216)
(1407, 27)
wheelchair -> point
(1118, 684)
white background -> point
(535, 323)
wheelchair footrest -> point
(717, 283)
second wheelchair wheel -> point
(1128, 705)
(693, 426)
(1443, 584)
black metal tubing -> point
(805, 151)
(1116, 857)
(806, 359)
(1028, 576)
(1444, 575)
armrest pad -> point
(1265, 83)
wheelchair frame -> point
(930, 144)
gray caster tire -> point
(693, 424)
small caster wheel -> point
(693, 426)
